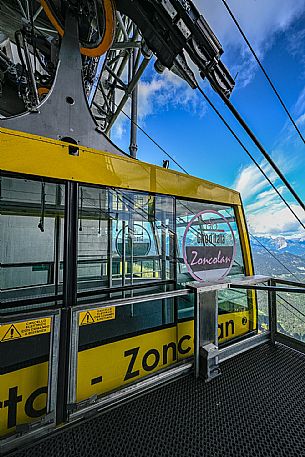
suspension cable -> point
(293, 307)
(272, 255)
(263, 69)
(155, 142)
(257, 143)
(250, 155)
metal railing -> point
(274, 288)
(206, 353)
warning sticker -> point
(97, 315)
(17, 330)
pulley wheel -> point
(96, 19)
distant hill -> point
(290, 254)
(282, 244)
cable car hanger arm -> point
(172, 28)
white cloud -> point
(261, 21)
(250, 181)
(275, 220)
(266, 213)
(161, 92)
(167, 90)
(264, 199)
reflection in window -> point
(31, 229)
(92, 236)
(214, 228)
(124, 238)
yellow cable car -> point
(80, 228)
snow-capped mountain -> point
(282, 244)
(288, 256)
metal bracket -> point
(21, 429)
(209, 362)
(206, 329)
(64, 114)
(72, 407)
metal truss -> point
(173, 31)
(121, 70)
(110, 81)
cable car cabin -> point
(83, 231)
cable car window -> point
(213, 227)
(31, 230)
(124, 238)
(209, 249)
(92, 237)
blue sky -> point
(185, 126)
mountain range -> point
(286, 256)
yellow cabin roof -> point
(39, 156)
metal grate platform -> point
(255, 408)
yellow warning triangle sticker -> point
(87, 319)
(11, 334)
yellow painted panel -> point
(244, 240)
(23, 396)
(35, 155)
(114, 365)
(233, 325)
(248, 262)
(104, 368)
(24, 329)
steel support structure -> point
(117, 90)
(110, 81)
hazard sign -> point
(96, 315)
(17, 330)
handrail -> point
(5, 306)
(82, 261)
(109, 290)
(137, 299)
(268, 288)
(84, 294)
(288, 282)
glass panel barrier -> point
(92, 237)
(291, 314)
(119, 344)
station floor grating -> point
(255, 408)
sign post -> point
(208, 250)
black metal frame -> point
(272, 289)
(69, 295)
